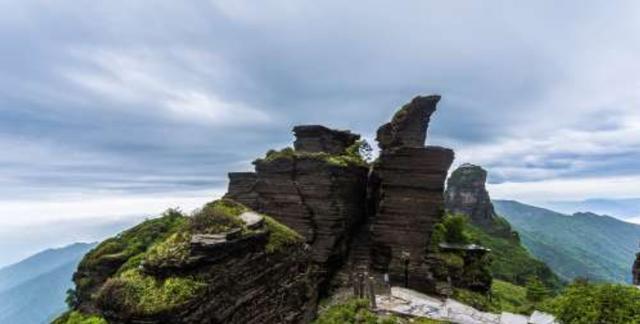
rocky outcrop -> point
(316, 189)
(408, 127)
(329, 212)
(317, 138)
(237, 268)
(466, 194)
(407, 184)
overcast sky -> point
(115, 108)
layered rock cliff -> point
(318, 189)
(407, 184)
(225, 264)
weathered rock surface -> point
(466, 194)
(317, 138)
(408, 128)
(408, 183)
(322, 200)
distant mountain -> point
(34, 290)
(620, 208)
(600, 248)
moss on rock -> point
(351, 157)
(138, 294)
(280, 235)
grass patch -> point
(503, 297)
(353, 156)
(75, 317)
(135, 293)
(218, 217)
(174, 250)
(125, 250)
(280, 235)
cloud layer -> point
(140, 99)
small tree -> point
(536, 291)
(71, 299)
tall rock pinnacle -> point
(408, 127)
(466, 194)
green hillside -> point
(600, 248)
(512, 262)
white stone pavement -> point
(409, 302)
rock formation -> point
(408, 127)
(407, 184)
(317, 138)
(276, 241)
(318, 189)
(466, 194)
(223, 265)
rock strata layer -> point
(407, 184)
(317, 138)
(319, 197)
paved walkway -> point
(412, 303)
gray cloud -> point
(140, 97)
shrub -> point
(452, 229)
(583, 302)
(217, 217)
(536, 291)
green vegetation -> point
(174, 250)
(127, 249)
(583, 302)
(355, 155)
(512, 262)
(134, 292)
(127, 288)
(356, 311)
(279, 235)
(217, 217)
(503, 297)
(600, 248)
(75, 317)
(452, 229)
(135, 240)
